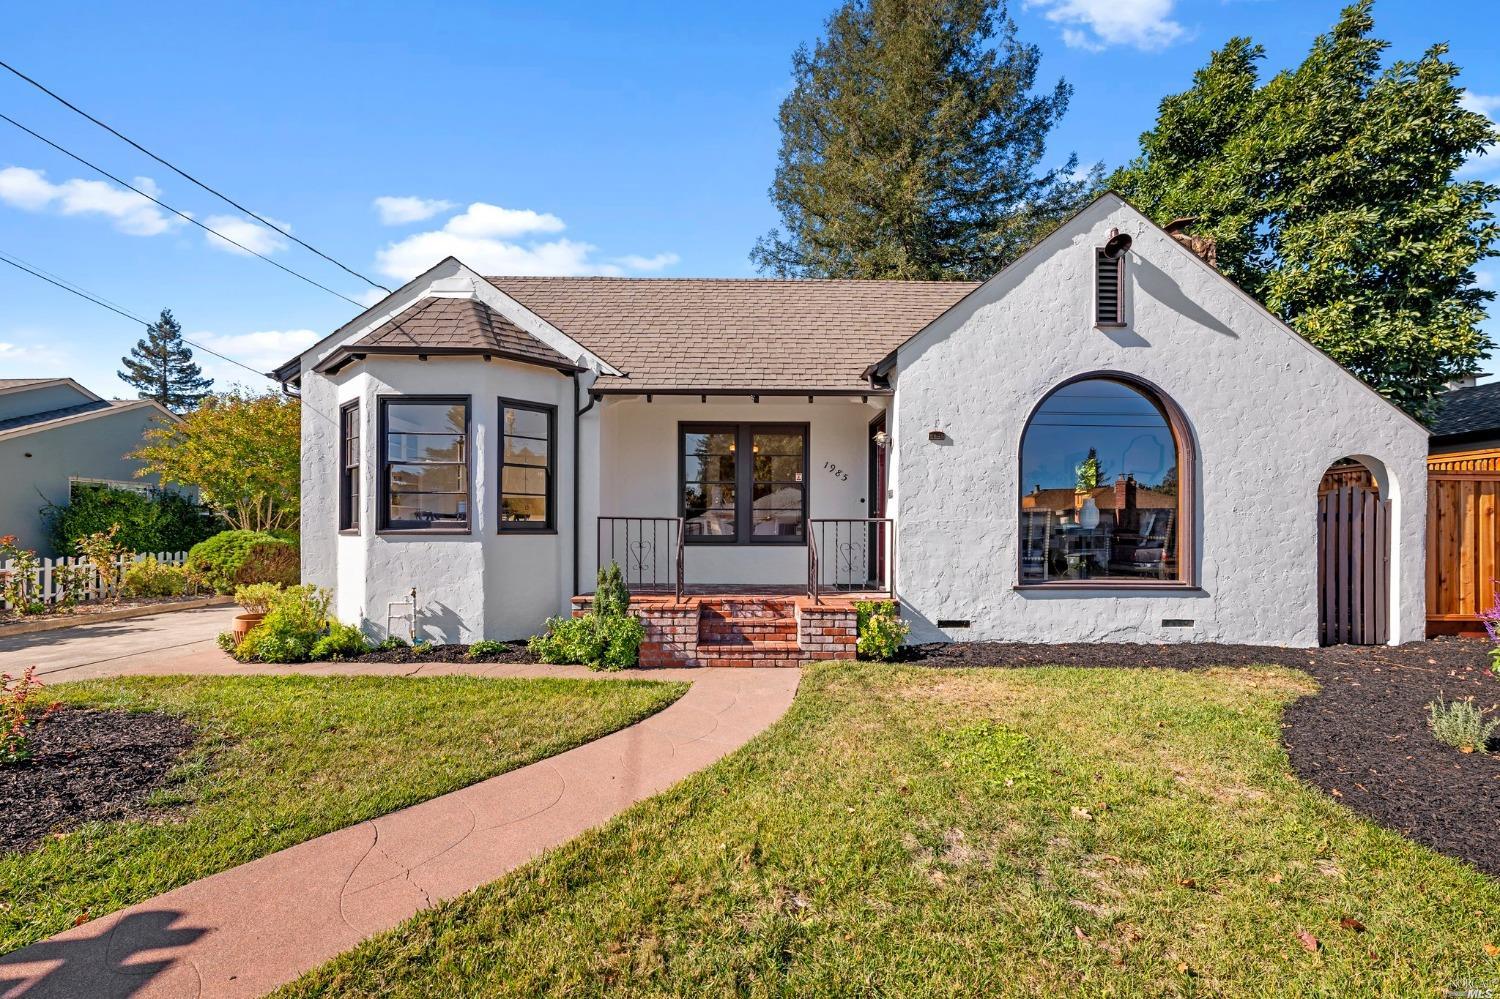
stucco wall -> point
(639, 472)
(93, 449)
(1268, 414)
(481, 585)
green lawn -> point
(284, 759)
(905, 832)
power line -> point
(187, 176)
(69, 287)
(181, 214)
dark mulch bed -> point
(514, 652)
(87, 766)
(1363, 738)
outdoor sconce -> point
(881, 439)
(936, 435)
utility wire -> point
(180, 214)
(187, 176)
(69, 287)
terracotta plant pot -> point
(243, 623)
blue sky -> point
(579, 138)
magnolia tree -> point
(241, 453)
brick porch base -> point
(741, 629)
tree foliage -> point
(161, 367)
(1333, 196)
(241, 451)
(911, 147)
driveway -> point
(176, 642)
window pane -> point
(707, 494)
(428, 478)
(778, 468)
(712, 522)
(418, 509)
(514, 479)
(526, 422)
(777, 523)
(425, 447)
(783, 495)
(1099, 481)
(425, 417)
(524, 451)
(700, 467)
(718, 442)
(773, 444)
(523, 509)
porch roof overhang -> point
(344, 356)
(841, 392)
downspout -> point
(578, 415)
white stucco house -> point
(1107, 441)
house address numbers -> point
(836, 471)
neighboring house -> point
(55, 433)
(488, 442)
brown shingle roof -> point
(451, 325)
(739, 334)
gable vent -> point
(1109, 282)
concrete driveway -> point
(176, 642)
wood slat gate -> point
(1354, 555)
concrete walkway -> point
(252, 928)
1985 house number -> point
(836, 471)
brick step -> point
(733, 648)
(742, 629)
(757, 657)
(746, 607)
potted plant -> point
(1089, 474)
(256, 599)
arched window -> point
(1105, 484)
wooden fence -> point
(55, 578)
(1354, 554)
(1463, 539)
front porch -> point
(751, 629)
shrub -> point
(220, 559)
(881, 630)
(390, 643)
(256, 598)
(297, 619)
(596, 641)
(611, 596)
(16, 726)
(485, 647)
(1461, 724)
(278, 562)
(343, 641)
(162, 521)
(1495, 660)
(18, 585)
(150, 578)
(104, 552)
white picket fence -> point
(47, 582)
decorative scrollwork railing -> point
(851, 554)
(648, 550)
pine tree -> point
(161, 367)
(911, 147)
(1333, 196)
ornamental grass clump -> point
(1462, 725)
(17, 695)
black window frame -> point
(351, 467)
(383, 488)
(502, 525)
(744, 482)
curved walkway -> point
(247, 930)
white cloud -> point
(250, 235)
(495, 222)
(1487, 161)
(30, 190)
(261, 350)
(496, 240)
(24, 360)
(1095, 25)
(660, 261)
(399, 211)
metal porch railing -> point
(649, 551)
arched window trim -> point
(1187, 491)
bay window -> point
(424, 447)
(528, 434)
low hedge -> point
(236, 558)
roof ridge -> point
(661, 279)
